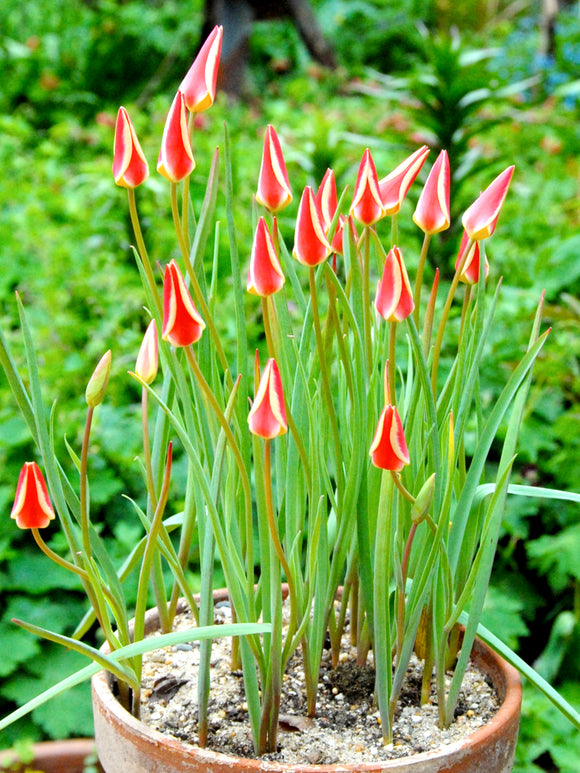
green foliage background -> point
(65, 236)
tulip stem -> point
(419, 277)
(147, 448)
(84, 488)
(401, 593)
(367, 298)
(404, 491)
(142, 250)
(190, 354)
(382, 642)
(185, 209)
(199, 298)
(56, 558)
(276, 539)
(445, 316)
(429, 314)
(267, 327)
(466, 299)
(391, 362)
(148, 557)
(394, 230)
(83, 574)
(272, 352)
(325, 380)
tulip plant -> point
(342, 466)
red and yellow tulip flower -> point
(175, 156)
(389, 447)
(432, 212)
(267, 417)
(326, 199)
(394, 300)
(32, 508)
(130, 166)
(480, 219)
(265, 275)
(199, 85)
(182, 324)
(273, 186)
(470, 271)
(311, 246)
(393, 188)
(367, 204)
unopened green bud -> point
(423, 501)
(98, 382)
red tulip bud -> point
(395, 185)
(481, 218)
(182, 324)
(130, 167)
(394, 300)
(470, 272)
(367, 205)
(389, 447)
(432, 212)
(267, 417)
(175, 156)
(32, 508)
(336, 243)
(311, 246)
(199, 85)
(265, 275)
(273, 187)
(326, 199)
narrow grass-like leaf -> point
(526, 671)
(132, 650)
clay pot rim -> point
(72, 751)
(506, 680)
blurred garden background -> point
(495, 82)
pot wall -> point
(54, 757)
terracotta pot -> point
(54, 757)
(126, 745)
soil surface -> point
(347, 726)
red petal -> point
(199, 85)
(389, 448)
(175, 156)
(393, 188)
(470, 272)
(265, 275)
(311, 246)
(432, 212)
(367, 206)
(267, 417)
(32, 508)
(130, 167)
(326, 199)
(394, 300)
(481, 218)
(182, 324)
(273, 187)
